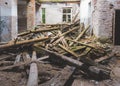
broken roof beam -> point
(13, 44)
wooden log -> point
(26, 57)
(77, 63)
(78, 48)
(75, 17)
(67, 50)
(6, 62)
(104, 57)
(33, 75)
(6, 46)
(87, 50)
(38, 30)
(3, 57)
(43, 58)
(17, 59)
(61, 78)
(15, 65)
(74, 62)
(61, 39)
(81, 34)
(63, 34)
(87, 45)
(54, 24)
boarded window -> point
(43, 15)
(67, 15)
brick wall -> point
(103, 17)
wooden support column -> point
(31, 14)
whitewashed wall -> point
(8, 19)
(54, 11)
(103, 17)
(85, 13)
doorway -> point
(116, 34)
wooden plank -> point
(80, 35)
(87, 45)
(67, 50)
(78, 48)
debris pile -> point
(50, 54)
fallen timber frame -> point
(96, 69)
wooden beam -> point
(33, 75)
(67, 50)
(6, 46)
(38, 30)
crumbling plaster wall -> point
(54, 11)
(8, 20)
(103, 17)
(22, 15)
(30, 14)
(85, 12)
(38, 8)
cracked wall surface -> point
(8, 20)
(102, 16)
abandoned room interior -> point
(59, 43)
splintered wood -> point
(61, 45)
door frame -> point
(113, 22)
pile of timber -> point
(59, 44)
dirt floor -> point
(18, 77)
(114, 63)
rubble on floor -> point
(57, 55)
